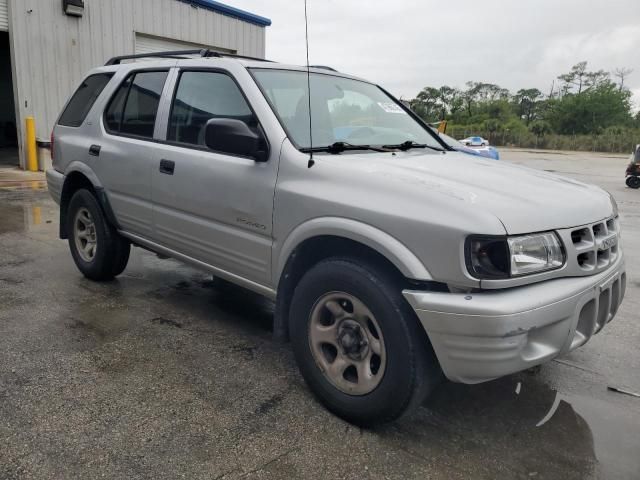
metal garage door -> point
(148, 44)
(4, 16)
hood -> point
(523, 199)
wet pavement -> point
(167, 373)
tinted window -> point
(83, 99)
(113, 116)
(200, 97)
(133, 108)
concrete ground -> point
(166, 373)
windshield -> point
(344, 110)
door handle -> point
(167, 167)
(94, 150)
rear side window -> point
(201, 96)
(84, 98)
(133, 108)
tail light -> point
(52, 140)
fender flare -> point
(385, 244)
(84, 169)
(100, 193)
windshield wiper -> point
(339, 147)
(404, 146)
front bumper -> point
(55, 180)
(482, 336)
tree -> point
(621, 74)
(582, 78)
(540, 128)
(469, 97)
(449, 101)
(527, 100)
(583, 101)
(426, 103)
(593, 79)
(575, 77)
(595, 109)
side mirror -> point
(233, 136)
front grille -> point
(594, 247)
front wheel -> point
(98, 251)
(358, 344)
(633, 182)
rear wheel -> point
(99, 252)
(633, 182)
(358, 343)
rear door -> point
(123, 158)
(210, 205)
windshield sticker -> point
(390, 107)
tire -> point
(633, 182)
(406, 370)
(87, 226)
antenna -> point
(306, 38)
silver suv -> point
(392, 259)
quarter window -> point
(84, 98)
(201, 96)
(133, 109)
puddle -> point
(529, 428)
(24, 218)
(616, 435)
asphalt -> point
(168, 373)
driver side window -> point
(201, 96)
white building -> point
(46, 47)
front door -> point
(212, 206)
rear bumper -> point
(55, 180)
(482, 336)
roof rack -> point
(180, 54)
(323, 67)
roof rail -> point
(180, 54)
(323, 67)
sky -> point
(405, 45)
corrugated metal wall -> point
(4, 14)
(51, 52)
(149, 44)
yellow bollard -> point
(37, 215)
(32, 156)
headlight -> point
(535, 253)
(487, 257)
(505, 257)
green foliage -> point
(540, 127)
(515, 126)
(591, 111)
(584, 104)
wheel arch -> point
(77, 176)
(323, 238)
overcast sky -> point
(405, 45)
